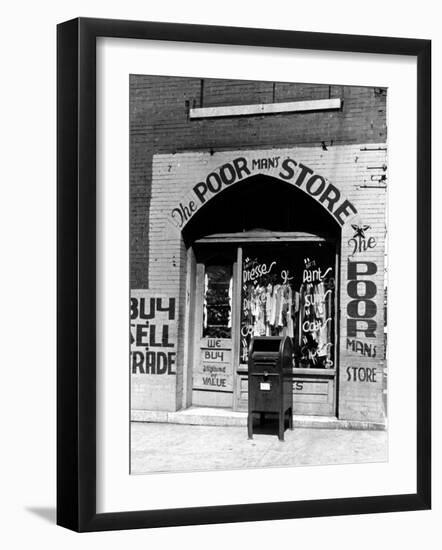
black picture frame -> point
(76, 274)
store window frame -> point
(235, 242)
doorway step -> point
(213, 416)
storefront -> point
(265, 284)
(280, 241)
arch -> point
(261, 202)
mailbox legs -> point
(281, 422)
(281, 425)
(250, 425)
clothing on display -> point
(304, 311)
(315, 325)
(271, 310)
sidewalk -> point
(215, 416)
(167, 447)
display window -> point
(290, 291)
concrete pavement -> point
(167, 447)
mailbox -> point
(270, 380)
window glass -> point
(290, 291)
(217, 311)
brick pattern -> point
(169, 154)
(159, 123)
(356, 170)
(362, 399)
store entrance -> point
(290, 290)
(262, 288)
(244, 281)
(214, 327)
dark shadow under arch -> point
(261, 202)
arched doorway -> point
(263, 259)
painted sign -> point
(153, 333)
(359, 242)
(361, 309)
(361, 374)
(287, 169)
(213, 370)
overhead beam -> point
(266, 108)
(261, 236)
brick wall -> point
(355, 170)
(170, 154)
(159, 123)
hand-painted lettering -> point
(152, 319)
(299, 174)
(361, 309)
(366, 350)
(361, 374)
